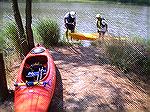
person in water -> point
(102, 26)
(70, 22)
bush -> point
(49, 32)
(148, 45)
(146, 66)
(124, 55)
(10, 33)
(1, 41)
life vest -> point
(99, 23)
(70, 19)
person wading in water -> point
(102, 26)
(70, 22)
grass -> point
(7, 43)
(1, 41)
(48, 31)
(147, 45)
(11, 36)
(130, 55)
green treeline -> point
(140, 2)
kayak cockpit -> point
(35, 69)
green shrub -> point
(1, 41)
(124, 55)
(10, 33)
(146, 61)
(49, 32)
(148, 45)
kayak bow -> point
(35, 83)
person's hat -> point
(72, 14)
(98, 16)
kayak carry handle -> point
(31, 84)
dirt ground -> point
(86, 82)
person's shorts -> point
(103, 32)
(70, 26)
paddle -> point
(31, 84)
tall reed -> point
(11, 35)
(129, 56)
(49, 31)
(1, 41)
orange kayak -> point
(35, 82)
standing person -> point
(70, 22)
(102, 26)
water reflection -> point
(86, 43)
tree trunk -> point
(3, 83)
(22, 37)
(28, 24)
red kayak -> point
(35, 83)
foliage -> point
(49, 32)
(146, 65)
(140, 2)
(128, 57)
(1, 41)
(3, 83)
(10, 33)
(148, 45)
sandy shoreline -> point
(87, 83)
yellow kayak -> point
(84, 36)
(93, 36)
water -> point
(86, 43)
(123, 20)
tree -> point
(3, 82)
(28, 24)
(22, 37)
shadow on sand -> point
(57, 100)
(116, 98)
(94, 103)
(7, 105)
(80, 56)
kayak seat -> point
(36, 73)
(32, 74)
